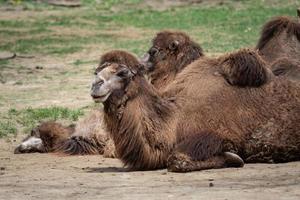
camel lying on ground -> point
(44, 138)
(88, 136)
(279, 45)
(215, 114)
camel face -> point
(32, 143)
(109, 77)
(170, 53)
(164, 45)
(154, 55)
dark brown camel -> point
(170, 53)
(279, 45)
(202, 120)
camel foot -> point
(233, 160)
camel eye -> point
(174, 45)
(123, 73)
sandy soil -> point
(50, 176)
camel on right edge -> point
(279, 45)
(216, 113)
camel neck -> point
(141, 125)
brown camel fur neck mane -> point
(122, 120)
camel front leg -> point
(180, 162)
(204, 150)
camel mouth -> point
(148, 66)
(100, 98)
(145, 61)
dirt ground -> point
(50, 176)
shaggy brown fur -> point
(121, 57)
(280, 38)
(200, 118)
(88, 137)
(170, 53)
(245, 69)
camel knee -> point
(179, 162)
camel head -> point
(110, 78)
(45, 137)
(169, 47)
(32, 143)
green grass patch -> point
(7, 127)
(137, 46)
(24, 120)
(55, 44)
(218, 29)
(3, 63)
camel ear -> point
(174, 45)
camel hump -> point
(244, 68)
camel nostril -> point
(153, 51)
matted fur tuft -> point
(245, 68)
(276, 26)
(89, 137)
(121, 57)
